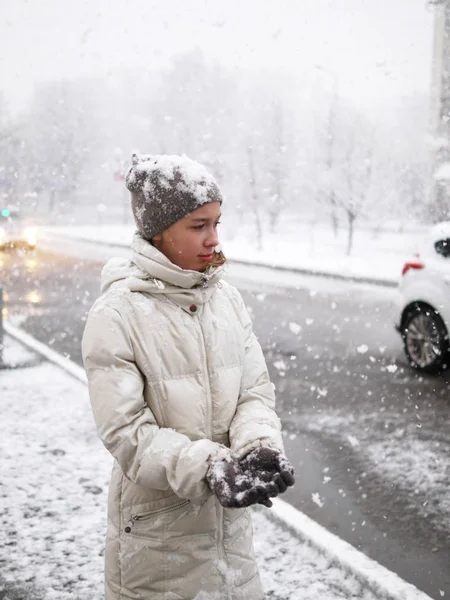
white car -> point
(14, 232)
(423, 303)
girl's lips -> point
(206, 257)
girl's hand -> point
(270, 470)
(233, 487)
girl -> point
(182, 400)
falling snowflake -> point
(392, 368)
(295, 327)
(362, 349)
(353, 441)
(280, 365)
(316, 499)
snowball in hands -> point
(269, 469)
(233, 487)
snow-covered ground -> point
(376, 254)
(53, 498)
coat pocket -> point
(139, 523)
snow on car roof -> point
(426, 242)
(440, 231)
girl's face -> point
(190, 242)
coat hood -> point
(150, 271)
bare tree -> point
(190, 110)
(358, 177)
(59, 139)
(10, 157)
(330, 135)
(353, 168)
(255, 200)
(276, 159)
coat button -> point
(127, 529)
(193, 308)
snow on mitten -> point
(233, 487)
(270, 470)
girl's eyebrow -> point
(205, 219)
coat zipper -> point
(220, 545)
(207, 383)
(134, 518)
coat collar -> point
(150, 260)
(152, 272)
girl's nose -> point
(212, 239)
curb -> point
(373, 576)
(51, 355)
(315, 273)
(297, 270)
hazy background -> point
(312, 108)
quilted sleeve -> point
(150, 456)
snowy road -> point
(369, 439)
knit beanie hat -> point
(166, 188)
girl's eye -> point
(203, 225)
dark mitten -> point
(271, 470)
(233, 487)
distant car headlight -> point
(31, 236)
(33, 297)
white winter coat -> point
(176, 376)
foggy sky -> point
(376, 50)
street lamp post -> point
(439, 190)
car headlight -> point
(31, 236)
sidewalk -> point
(53, 500)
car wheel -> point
(426, 340)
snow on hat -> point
(166, 188)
